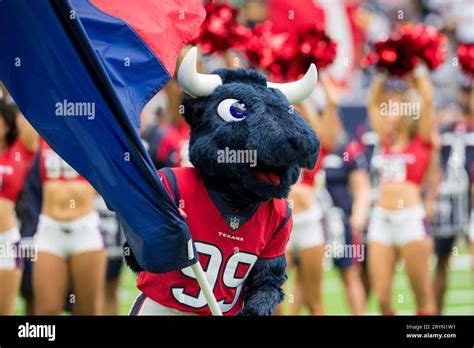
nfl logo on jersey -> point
(234, 222)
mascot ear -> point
(193, 109)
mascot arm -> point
(263, 287)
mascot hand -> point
(263, 290)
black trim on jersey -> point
(172, 182)
(227, 211)
(287, 217)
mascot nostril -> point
(248, 147)
(295, 144)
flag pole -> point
(206, 288)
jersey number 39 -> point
(213, 271)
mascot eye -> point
(232, 110)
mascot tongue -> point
(268, 177)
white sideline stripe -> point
(460, 262)
(460, 296)
(469, 310)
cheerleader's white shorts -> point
(398, 227)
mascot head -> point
(247, 140)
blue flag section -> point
(81, 77)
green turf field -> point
(459, 298)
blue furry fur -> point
(263, 290)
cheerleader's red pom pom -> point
(285, 56)
(466, 59)
(396, 55)
(401, 52)
(428, 44)
(220, 30)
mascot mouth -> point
(268, 174)
(267, 177)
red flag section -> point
(164, 25)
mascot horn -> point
(247, 145)
(203, 85)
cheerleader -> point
(69, 242)
(18, 143)
(403, 120)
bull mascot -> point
(237, 211)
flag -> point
(81, 72)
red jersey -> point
(307, 176)
(53, 167)
(408, 165)
(227, 249)
(15, 162)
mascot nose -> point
(303, 150)
(295, 143)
